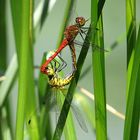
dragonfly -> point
(52, 70)
(58, 84)
(70, 34)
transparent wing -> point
(95, 46)
(78, 115)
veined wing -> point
(89, 44)
(78, 115)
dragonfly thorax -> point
(71, 32)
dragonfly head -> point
(47, 70)
(80, 21)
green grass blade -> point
(99, 76)
(24, 56)
(133, 102)
(99, 90)
(3, 39)
(130, 27)
(22, 21)
(131, 35)
(129, 70)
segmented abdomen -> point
(60, 82)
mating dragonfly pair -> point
(53, 66)
(70, 34)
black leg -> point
(81, 35)
(64, 64)
(55, 67)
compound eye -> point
(77, 20)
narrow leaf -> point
(133, 101)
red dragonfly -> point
(70, 34)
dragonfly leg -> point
(55, 67)
(81, 35)
(88, 28)
(62, 66)
(83, 31)
(85, 28)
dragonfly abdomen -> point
(60, 82)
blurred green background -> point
(115, 62)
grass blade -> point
(3, 39)
(100, 99)
(43, 89)
(22, 21)
(133, 104)
(130, 27)
(131, 35)
(99, 80)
